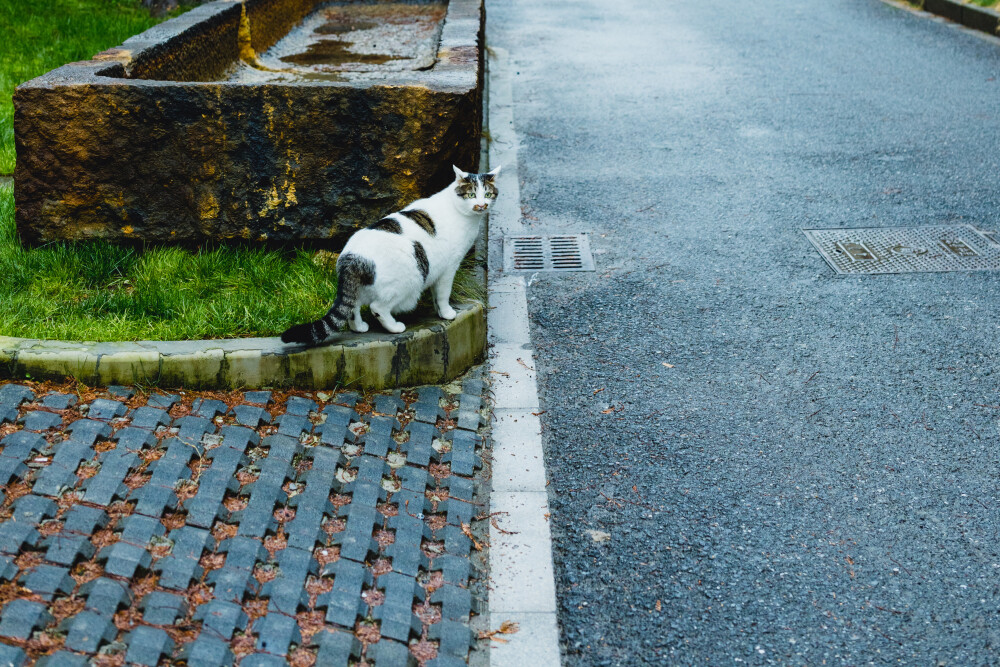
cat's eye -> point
(491, 195)
(470, 195)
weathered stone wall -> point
(105, 151)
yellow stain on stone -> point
(128, 229)
(208, 207)
(290, 199)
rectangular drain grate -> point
(547, 253)
(906, 249)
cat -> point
(389, 264)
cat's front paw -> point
(359, 327)
(395, 327)
(448, 313)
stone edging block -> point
(430, 351)
(972, 16)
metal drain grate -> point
(906, 249)
(547, 253)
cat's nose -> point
(479, 207)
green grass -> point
(40, 35)
(98, 291)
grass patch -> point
(40, 35)
(99, 291)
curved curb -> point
(971, 16)
(431, 351)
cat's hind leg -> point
(357, 324)
(384, 315)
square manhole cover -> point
(567, 252)
(906, 249)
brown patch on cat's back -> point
(422, 219)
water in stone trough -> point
(352, 43)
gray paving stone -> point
(106, 409)
(60, 474)
(18, 447)
(88, 630)
(108, 484)
(147, 646)
(120, 392)
(348, 398)
(193, 429)
(8, 414)
(208, 408)
(461, 488)
(60, 659)
(106, 596)
(411, 498)
(263, 660)
(32, 509)
(356, 541)
(257, 518)
(462, 456)
(454, 638)
(389, 653)
(336, 647)
(72, 542)
(159, 492)
(8, 569)
(161, 608)
(207, 506)
(149, 418)
(15, 395)
(181, 567)
(378, 440)
(58, 401)
(305, 530)
(455, 542)
(343, 604)
(89, 431)
(47, 580)
(37, 420)
(131, 553)
(456, 570)
(474, 386)
(456, 603)
(207, 651)
(285, 593)
(388, 405)
(419, 449)
(163, 401)
(258, 397)
(251, 415)
(12, 656)
(232, 579)
(331, 434)
(293, 425)
(407, 557)
(338, 415)
(396, 612)
(20, 618)
(300, 406)
(427, 407)
(220, 618)
(276, 632)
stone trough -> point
(255, 121)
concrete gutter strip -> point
(971, 16)
(431, 351)
(521, 570)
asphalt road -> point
(793, 467)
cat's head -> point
(475, 192)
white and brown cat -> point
(389, 264)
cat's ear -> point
(459, 174)
(493, 174)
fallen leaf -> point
(506, 628)
(659, 606)
(599, 535)
(667, 365)
(598, 391)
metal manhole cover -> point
(906, 249)
(567, 252)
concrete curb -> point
(971, 16)
(431, 351)
(521, 569)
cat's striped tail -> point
(353, 272)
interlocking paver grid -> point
(228, 528)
